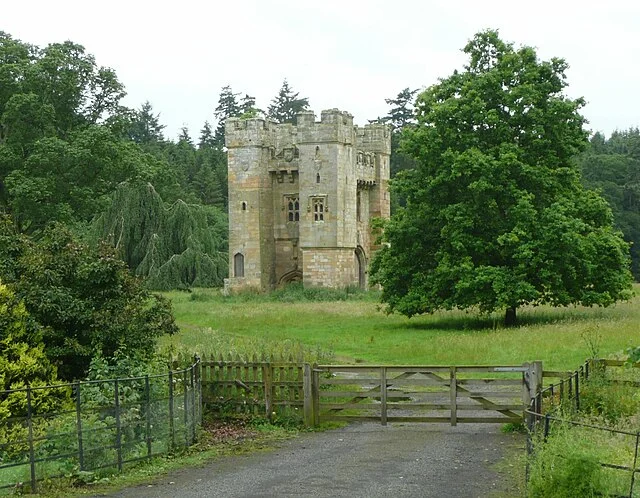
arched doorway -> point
(290, 277)
(361, 266)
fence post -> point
(546, 427)
(147, 401)
(533, 380)
(116, 398)
(577, 392)
(32, 457)
(453, 395)
(172, 434)
(635, 463)
(185, 402)
(383, 395)
(79, 425)
(315, 390)
(267, 374)
(194, 410)
(308, 395)
(199, 383)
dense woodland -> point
(93, 192)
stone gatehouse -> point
(302, 197)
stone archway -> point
(361, 267)
(290, 277)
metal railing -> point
(105, 425)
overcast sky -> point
(338, 53)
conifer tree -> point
(228, 107)
(180, 246)
(286, 105)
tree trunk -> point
(510, 317)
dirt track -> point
(361, 460)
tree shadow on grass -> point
(475, 321)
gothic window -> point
(358, 206)
(293, 208)
(238, 265)
(318, 204)
(318, 178)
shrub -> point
(86, 300)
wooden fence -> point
(453, 394)
(260, 386)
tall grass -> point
(357, 330)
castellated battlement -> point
(335, 126)
(374, 138)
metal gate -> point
(453, 394)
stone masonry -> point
(301, 200)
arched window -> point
(238, 265)
(244, 206)
(318, 178)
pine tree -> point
(228, 107)
(286, 105)
(248, 107)
(206, 137)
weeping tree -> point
(175, 246)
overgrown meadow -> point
(349, 327)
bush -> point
(86, 300)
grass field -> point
(358, 331)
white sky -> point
(338, 53)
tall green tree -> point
(228, 107)
(83, 298)
(177, 246)
(145, 127)
(286, 105)
(496, 216)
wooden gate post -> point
(453, 394)
(315, 390)
(532, 386)
(383, 395)
(307, 382)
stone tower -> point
(302, 197)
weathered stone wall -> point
(329, 267)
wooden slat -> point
(350, 406)
(347, 394)
(447, 406)
(482, 394)
(358, 381)
(492, 382)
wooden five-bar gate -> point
(384, 393)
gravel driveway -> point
(361, 460)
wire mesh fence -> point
(102, 426)
(555, 412)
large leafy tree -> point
(84, 298)
(496, 216)
(286, 105)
